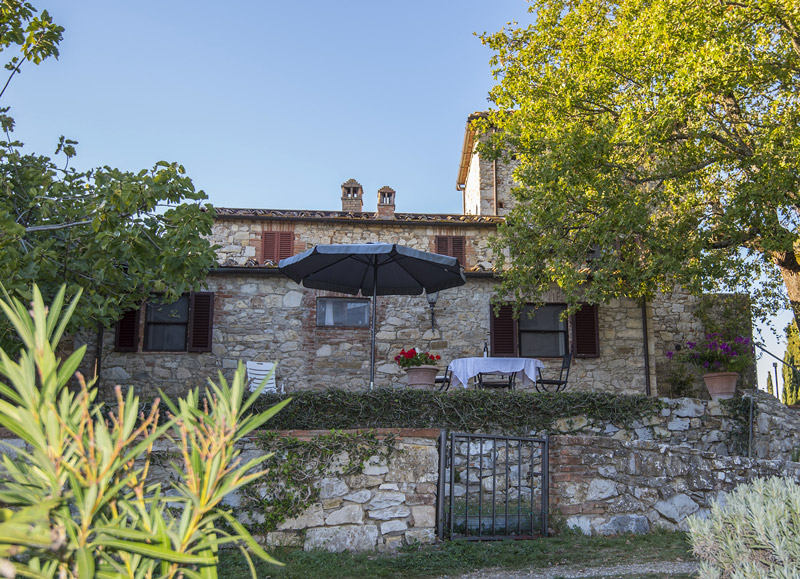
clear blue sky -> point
(269, 104)
(272, 104)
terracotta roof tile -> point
(223, 212)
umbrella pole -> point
(372, 342)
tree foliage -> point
(119, 236)
(791, 377)
(657, 143)
(82, 495)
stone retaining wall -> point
(705, 425)
(390, 504)
(608, 486)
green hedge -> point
(515, 413)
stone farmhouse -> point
(320, 340)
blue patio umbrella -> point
(373, 269)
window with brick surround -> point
(276, 245)
(544, 335)
(185, 325)
(452, 245)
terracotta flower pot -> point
(721, 385)
(422, 377)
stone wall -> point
(607, 486)
(261, 315)
(390, 504)
(485, 179)
(240, 239)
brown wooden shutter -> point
(201, 321)
(127, 334)
(457, 248)
(586, 338)
(452, 245)
(277, 245)
(285, 244)
(503, 329)
(269, 246)
(442, 243)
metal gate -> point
(492, 487)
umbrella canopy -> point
(373, 269)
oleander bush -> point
(77, 500)
(753, 533)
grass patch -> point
(454, 557)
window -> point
(166, 325)
(452, 245)
(333, 312)
(276, 245)
(545, 334)
(182, 326)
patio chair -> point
(257, 372)
(444, 380)
(497, 380)
(559, 385)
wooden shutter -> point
(277, 245)
(201, 321)
(442, 243)
(285, 244)
(127, 334)
(457, 248)
(503, 329)
(586, 335)
(452, 245)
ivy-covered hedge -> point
(514, 413)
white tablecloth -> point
(465, 368)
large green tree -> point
(121, 236)
(791, 378)
(658, 142)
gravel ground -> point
(580, 571)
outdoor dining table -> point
(465, 368)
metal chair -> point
(555, 385)
(444, 380)
(497, 380)
(257, 372)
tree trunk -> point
(791, 279)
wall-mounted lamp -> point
(432, 299)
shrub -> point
(81, 504)
(755, 532)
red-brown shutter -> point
(457, 247)
(503, 329)
(442, 243)
(127, 334)
(277, 245)
(269, 246)
(586, 338)
(285, 244)
(452, 245)
(201, 321)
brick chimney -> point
(386, 203)
(351, 196)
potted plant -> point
(419, 366)
(721, 361)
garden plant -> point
(79, 500)
(754, 533)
